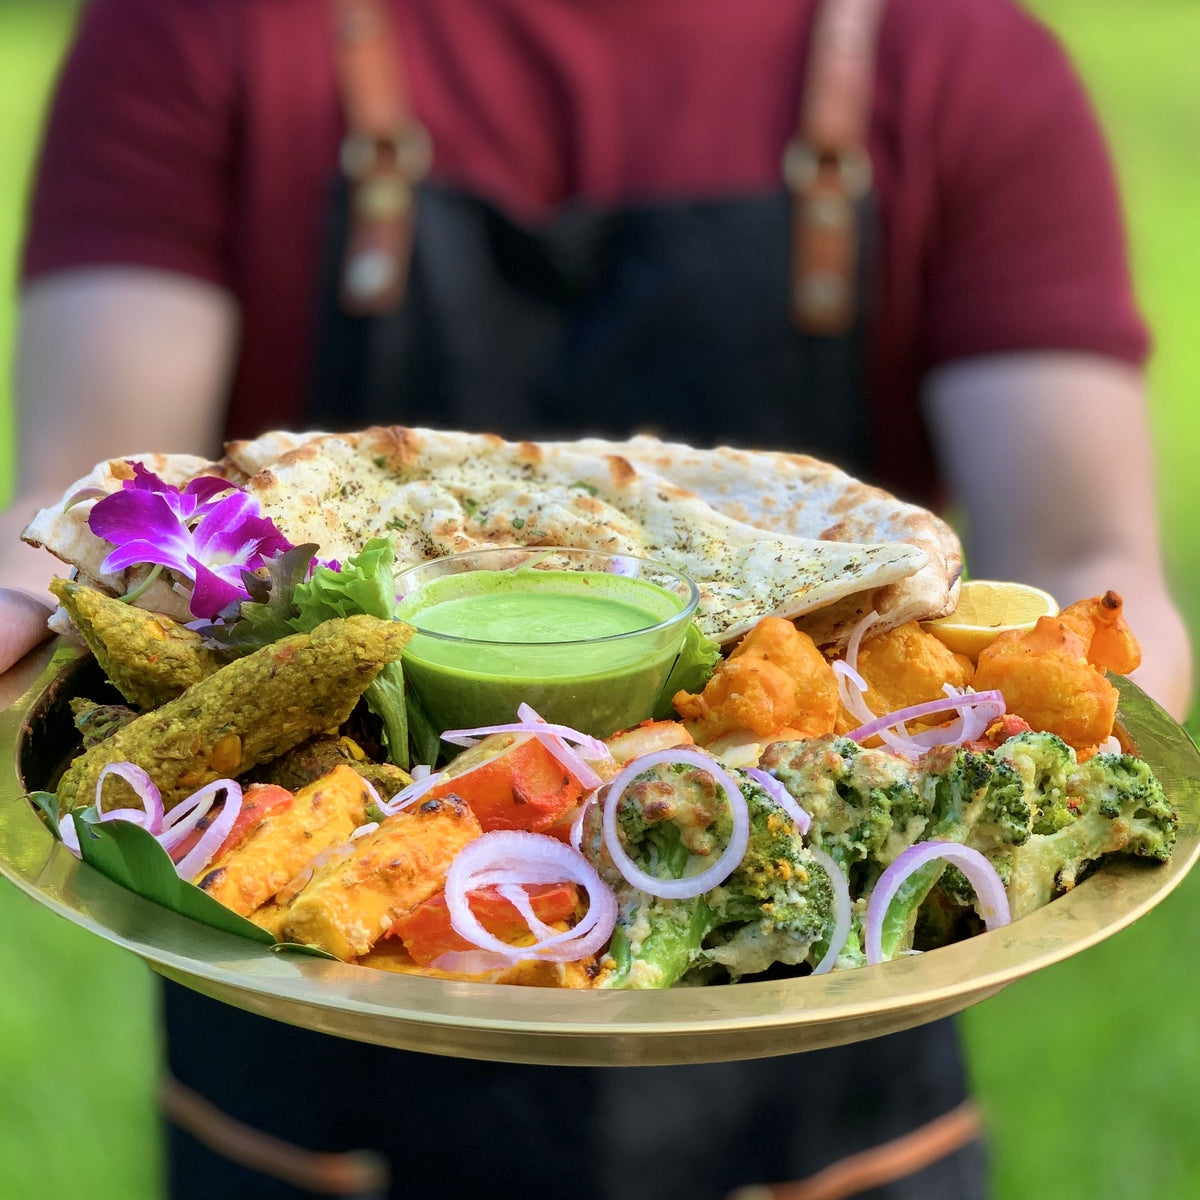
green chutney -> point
(587, 649)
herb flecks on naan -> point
(442, 493)
(806, 497)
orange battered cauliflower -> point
(776, 683)
(1054, 674)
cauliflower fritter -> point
(1054, 674)
(906, 666)
(775, 683)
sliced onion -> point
(150, 815)
(514, 856)
(576, 834)
(992, 900)
(201, 854)
(571, 762)
(841, 910)
(530, 722)
(990, 705)
(782, 797)
(856, 637)
(406, 797)
(689, 885)
(851, 689)
(518, 897)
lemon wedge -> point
(988, 608)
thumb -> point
(22, 625)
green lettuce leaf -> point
(698, 658)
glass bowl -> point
(586, 638)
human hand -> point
(22, 625)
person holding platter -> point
(537, 218)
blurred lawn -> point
(1087, 1072)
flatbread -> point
(792, 494)
(437, 493)
(805, 497)
(760, 532)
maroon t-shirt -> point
(201, 136)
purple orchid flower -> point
(207, 540)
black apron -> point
(670, 318)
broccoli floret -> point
(774, 906)
(668, 817)
(1044, 764)
(1116, 806)
(778, 905)
(978, 798)
(863, 803)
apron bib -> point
(670, 319)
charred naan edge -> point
(805, 497)
(63, 528)
(439, 493)
(251, 456)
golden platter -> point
(516, 1024)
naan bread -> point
(439, 493)
(805, 497)
(759, 532)
(783, 493)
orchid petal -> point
(173, 554)
(211, 593)
(124, 516)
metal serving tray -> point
(520, 1024)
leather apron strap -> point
(387, 152)
(827, 168)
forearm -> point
(109, 361)
(1051, 457)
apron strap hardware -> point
(384, 156)
(827, 168)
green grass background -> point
(1088, 1073)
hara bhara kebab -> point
(822, 780)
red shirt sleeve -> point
(1028, 247)
(136, 165)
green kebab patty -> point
(247, 713)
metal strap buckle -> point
(408, 152)
(804, 164)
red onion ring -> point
(990, 702)
(851, 689)
(689, 885)
(856, 637)
(841, 910)
(782, 797)
(576, 833)
(514, 856)
(530, 722)
(470, 962)
(201, 854)
(150, 815)
(406, 797)
(989, 889)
